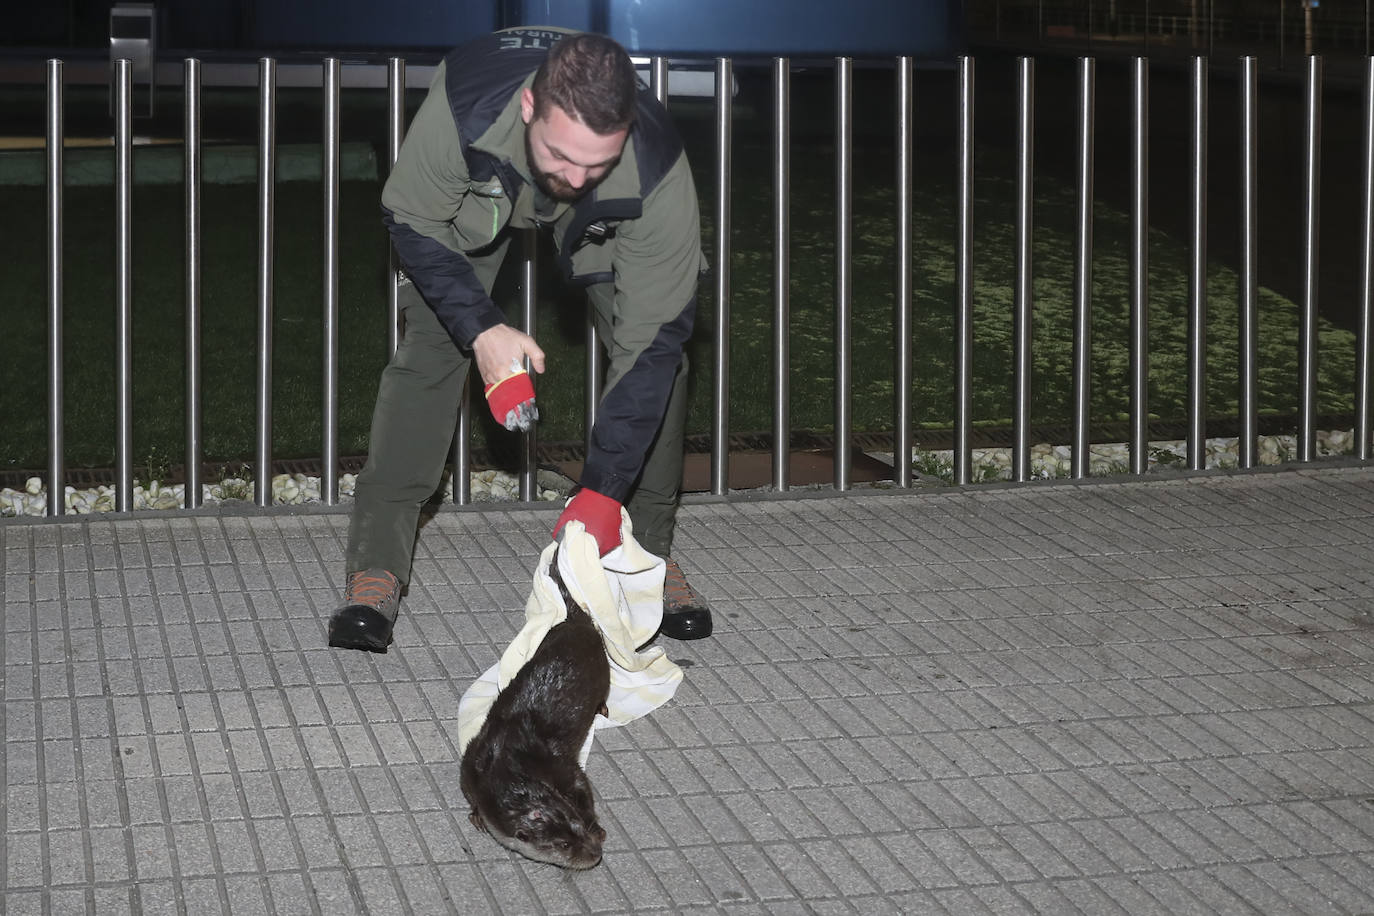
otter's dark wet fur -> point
(520, 774)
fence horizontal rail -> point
(689, 76)
(333, 76)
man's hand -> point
(500, 353)
(600, 515)
(497, 347)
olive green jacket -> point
(462, 182)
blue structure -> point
(928, 29)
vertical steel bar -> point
(57, 475)
(267, 142)
(395, 133)
(963, 282)
(1246, 454)
(901, 438)
(329, 476)
(1140, 265)
(1307, 328)
(1022, 295)
(844, 207)
(462, 448)
(191, 499)
(658, 78)
(124, 179)
(529, 301)
(782, 272)
(1081, 460)
(1365, 351)
(720, 416)
(592, 381)
(1197, 275)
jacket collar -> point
(504, 140)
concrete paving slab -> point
(1151, 696)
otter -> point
(520, 774)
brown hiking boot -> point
(685, 613)
(372, 599)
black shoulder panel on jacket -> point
(483, 74)
(657, 143)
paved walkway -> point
(1142, 697)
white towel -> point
(623, 593)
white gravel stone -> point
(287, 489)
(1049, 460)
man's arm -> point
(658, 262)
(420, 204)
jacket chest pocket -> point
(483, 214)
(593, 261)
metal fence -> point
(330, 83)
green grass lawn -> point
(229, 323)
(934, 262)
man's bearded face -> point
(566, 158)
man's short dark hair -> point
(591, 78)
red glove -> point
(600, 515)
(512, 400)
